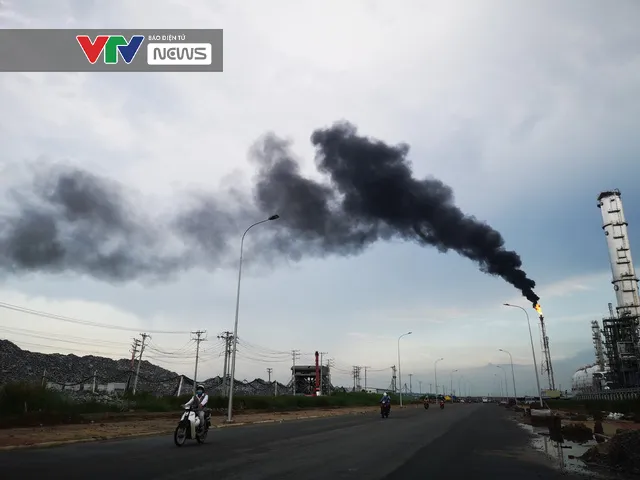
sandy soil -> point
(145, 425)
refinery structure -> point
(617, 338)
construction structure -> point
(622, 329)
(617, 342)
(311, 379)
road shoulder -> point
(35, 437)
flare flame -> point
(538, 308)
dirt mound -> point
(621, 453)
(577, 432)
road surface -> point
(472, 441)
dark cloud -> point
(75, 221)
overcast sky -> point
(526, 109)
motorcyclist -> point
(201, 399)
(385, 400)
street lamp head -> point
(507, 304)
(274, 217)
(500, 350)
(409, 333)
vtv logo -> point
(111, 45)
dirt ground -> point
(146, 425)
(608, 426)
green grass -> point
(32, 401)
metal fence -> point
(618, 394)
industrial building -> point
(617, 341)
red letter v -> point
(92, 50)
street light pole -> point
(500, 380)
(533, 351)
(513, 375)
(506, 384)
(399, 369)
(435, 371)
(451, 387)
(460, 388)
(235, 327)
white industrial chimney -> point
(614, 224)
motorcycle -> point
(385, 408)
(441, 405)
(426, 404)
(189, 427)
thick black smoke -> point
(74, 221)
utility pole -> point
(198, 339)
(430, 387)
(294, 355)
(365, 376)
(134, 351)
(269, 370)
(322, 354)
(394, 381)
(410, 385)
(226, 336)
(420, 384)
(143, 344)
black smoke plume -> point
(71, 220)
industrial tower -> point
(622, 330)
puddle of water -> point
(565, 454)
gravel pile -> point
(73, 372)
(74, 375)
(621, 453)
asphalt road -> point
(456, 442)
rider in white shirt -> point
(201, 398)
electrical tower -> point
(295, 354)
(142, 345)
(330, 364)
(198, 338)
(394, 385)
(410, 384)
(356, 378)
(269, 371)
(228, 339)
(322, 372)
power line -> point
(71, 350)
(62, 338)
(77, 321)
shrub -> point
(32, 400)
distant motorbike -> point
(441, 405)
(189, 427)
(385, 408)
(426, 404)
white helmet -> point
(385, 394)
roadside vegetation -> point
(26, 404)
